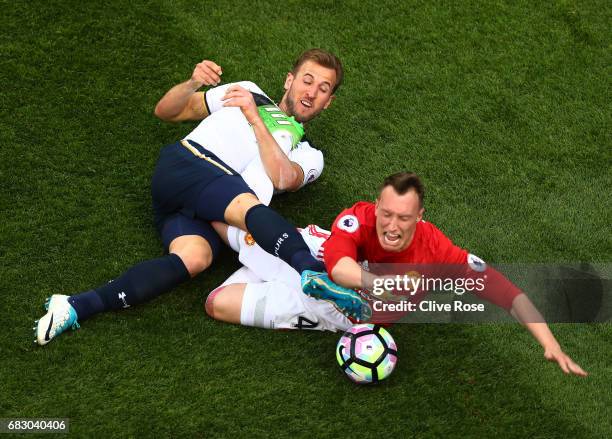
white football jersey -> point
(227, 134)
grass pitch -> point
(502, 107)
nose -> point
(312, 91)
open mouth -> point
(306, 103)
(391, 238)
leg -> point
(272, 305)
(193, 245)
(225, 303)
(195, 252)
(229, 199)
(272, 232)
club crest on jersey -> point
(249, 240)
(348, 223)
(476, 263)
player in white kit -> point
(266, 291)
(244, 150)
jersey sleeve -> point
(309, 159)
(498, 290)
(213, 96)
(346, 238)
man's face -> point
(396, 218)
(309, 91)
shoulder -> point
(216, 93)
(309, 159)
(250, 86)
(439, 244)
(304, 149)
(359, 215)
(429, 228)
(429, 233)
(365, 211)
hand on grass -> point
(566, 364)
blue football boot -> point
(60, 316)
(349, 302)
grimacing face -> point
(396, 218)
(309, 91)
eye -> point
(324, 89)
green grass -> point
(502, 107)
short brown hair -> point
(323, 58)
(402, 182)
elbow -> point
(286, 178)
(279, 184)
(160, 113)
(335, 273)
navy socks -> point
(141, 283)
(278, 237)
(147, 280)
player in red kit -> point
(392, 230)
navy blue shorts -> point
(178, 224)
(191, 181)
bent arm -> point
(285, 174)
(182, 102)
(347, 273)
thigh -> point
(178, 225)
(277, 305)
(213, 200)
(183, 171)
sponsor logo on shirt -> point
(348, 223)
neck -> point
(283, 104)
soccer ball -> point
(367, 353)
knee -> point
(196, 262)
(225, 303)
(235, 213)
(197, 256)
(211, 305)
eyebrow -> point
(401, 215)
(312, 76)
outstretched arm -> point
(184, 101)
(526, 313)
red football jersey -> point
(354, 235)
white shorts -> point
(275, 304)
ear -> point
(288, 81)
(420, 214)
(376, 207)
(329, 102)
